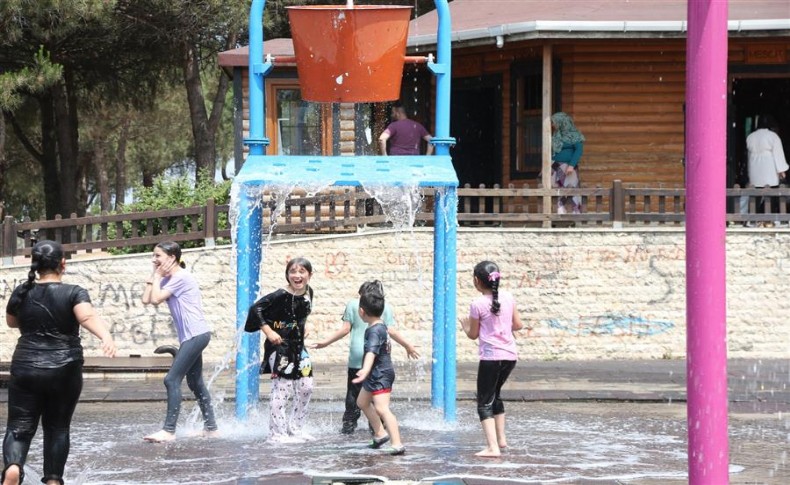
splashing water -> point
(549, 443)
(400, 203)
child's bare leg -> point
(499, 420)
(381, 402)
(490, 432)
(364, 401)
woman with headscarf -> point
(567, 145)
(46, 368)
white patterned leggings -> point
(281, 422)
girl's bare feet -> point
(11, 475)
(161, 436)
(214, 433)
(502, 445)
(488, 453)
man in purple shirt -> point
(404, 135)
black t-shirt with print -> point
(377, 341)
(286, 314)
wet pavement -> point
(602, 422)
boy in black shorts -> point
(377, 373)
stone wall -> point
(586, 294)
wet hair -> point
(487, 272)
(172, 249)
(374, 285)
(304, 263)
(45, 257)
(371, 298)
(767, 121)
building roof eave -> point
(562, 29)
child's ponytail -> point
(45, 256)
(487, 272)
(495, 293)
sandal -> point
(377, 442)
(396, 450)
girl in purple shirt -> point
(172, 283)
(493, 318)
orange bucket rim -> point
(346, 9)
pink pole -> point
(706, 340)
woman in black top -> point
(46, 368)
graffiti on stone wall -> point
(142, 327)
(7, 287)
(146, 329)
(543, 270)
(666, 282)
(335, 264)
(612, 324)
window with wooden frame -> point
(526, 138)
(296, 126)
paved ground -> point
(602, 422)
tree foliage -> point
(170, 192)
(190, 35)
(93, 78)
(35, 78)
(96, 57)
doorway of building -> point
(751, 97)
(476, 124)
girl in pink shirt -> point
(492, 319)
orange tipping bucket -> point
(350, 55)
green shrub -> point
(172, 193)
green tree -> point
(130, 146)
(190, 35)
(96, 57)
(173, 192)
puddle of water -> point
(546, 445)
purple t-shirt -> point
(496, 341)
(185, 305)
(405, 137)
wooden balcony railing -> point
(346, 209)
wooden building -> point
(618, 67)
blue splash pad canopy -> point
(422, 171)
(436, 171)
(260, 171)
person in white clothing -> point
(767, 163)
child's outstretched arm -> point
(517, 325)
(367, 365)
(410, 350)
(339, 333)
(471, 327)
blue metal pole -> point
(443, 369)
(438, 357)
(450, 270)
(443, 71)
(258, 69)
(249, 252)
